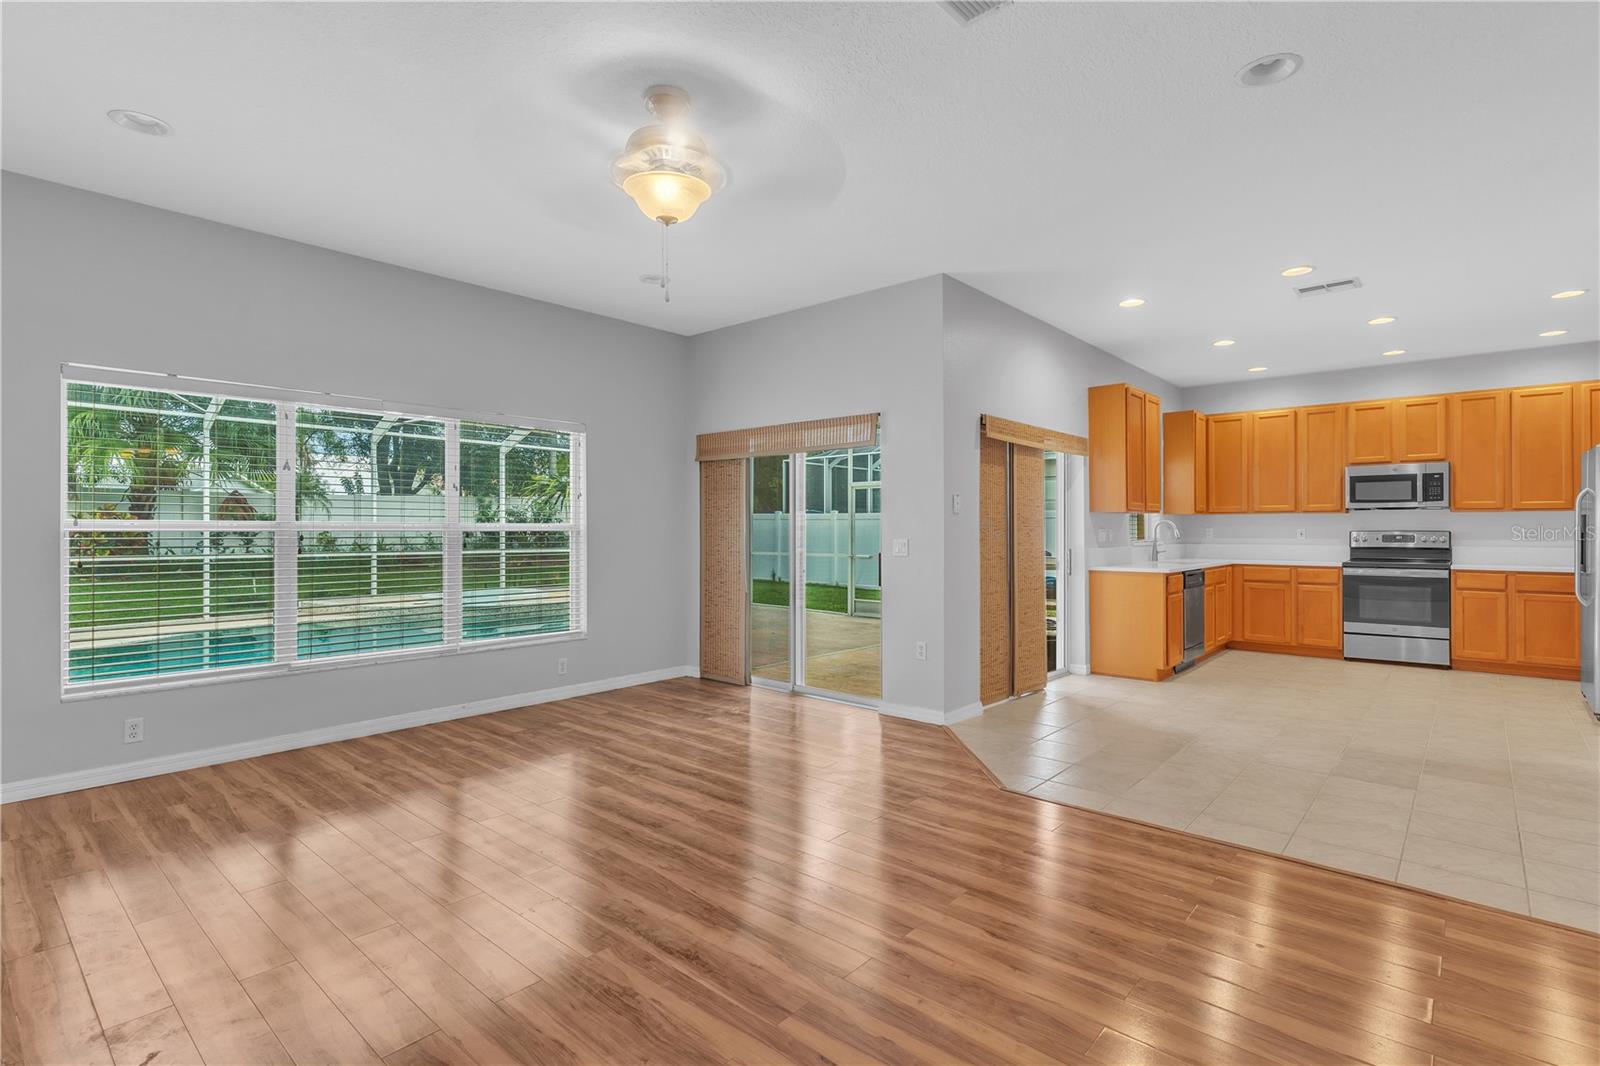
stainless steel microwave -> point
(1394, 487)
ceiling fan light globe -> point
(666, 196)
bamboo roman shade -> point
(1046, 440)
(852, 431)
(1011, 609)
(723, 587)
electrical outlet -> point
(132, 730)
(1102, 537)
(1210, 532)
(1300, 534)
(561, 665)
(922, 649)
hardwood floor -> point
(689, 872)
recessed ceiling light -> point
(1222, 342)
(1132, 301)
(139, 122)
(1299, 271)
(1255, 370)
(1395, 351)
(1554, 333)
(1269, 70)
(1381, 320)
(1567, 294)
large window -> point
(208, 536)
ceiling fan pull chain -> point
(666, 278)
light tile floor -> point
(1480, 786)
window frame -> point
(286, 527)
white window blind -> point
(209, 536)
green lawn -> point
(833, 598)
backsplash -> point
(1500, 538)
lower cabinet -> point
(1136, 619)
(1266, 604)
(1510, 622)
(1174, 625)
(1318, 608)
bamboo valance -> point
(1048, 440)
(853, 431)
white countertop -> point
(1513, 568)
(1178, 566)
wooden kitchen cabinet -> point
(1370, 431)
(1418, 424)
(1266, 604)
(1174, 627)
(1183, 461)
(1272, 460)
(1480, 450)
(1152, 452)
(1224, 589)
(1517, 623)
(1543, 451)
(1228, 464)
(1318, 608)
(1124, 449)
(1320, 440)
(1480, 617)
(1544, 621)
(1588, 415)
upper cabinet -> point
(1508, 449)
(1152, 452)
(1371, 429)
(1543, 477)
(1124, 449)
(1272, 460)
(1320, 449)
(1480, 443)
(1419, 429)
(1588, 413)
(1184, 462)
(1228, 464)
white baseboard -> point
(1080, 669)
(915, 714)
(72, 781)
(929, 715)
(961, 714)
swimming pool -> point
(220, 649)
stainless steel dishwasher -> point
(1194, 617)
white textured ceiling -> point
(1056, 156)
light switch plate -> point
(955, 503)
(900, 547)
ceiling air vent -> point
(965, 11)
(1341, 285)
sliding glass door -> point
(771, 532)
(818, 531)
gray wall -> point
(878, 351)
(92, 279)
(1000, 361)
(1493, 370)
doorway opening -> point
(815, 565)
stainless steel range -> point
(1397, 596)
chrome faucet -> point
(1155, 537)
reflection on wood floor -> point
(688, 872)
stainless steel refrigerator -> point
(1586, 578)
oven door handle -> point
(1436, 575)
